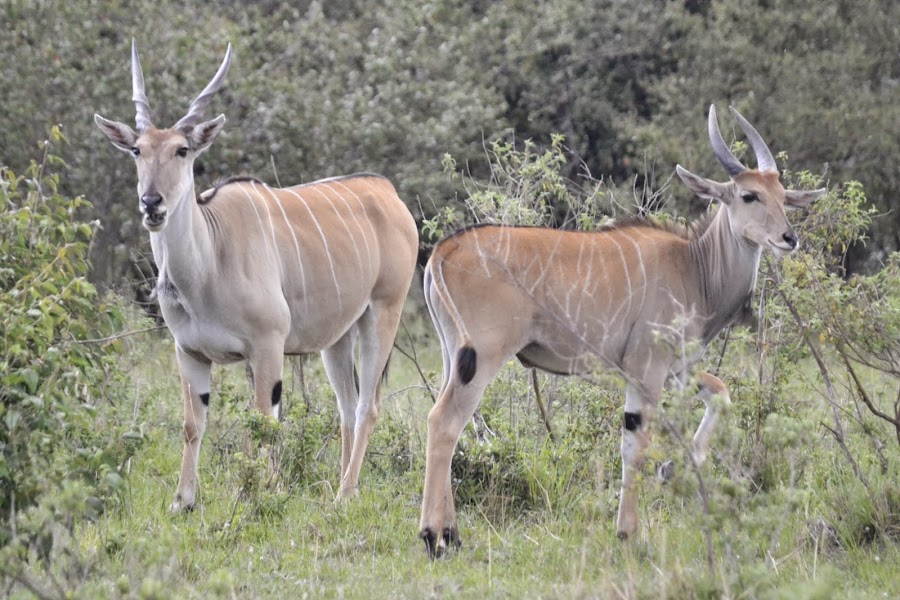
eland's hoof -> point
(666, 471)
(346, 494)
(440, 546)
(180, 505)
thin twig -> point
(33, 587)
(865, 396)
(537, 398)
(274, 169)
(722, 353)
(414, 359)
(837, 432)
(118, 336)
(701, 490)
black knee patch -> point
(276, 393)
(204, 398)
(466, 361)
(632, 421)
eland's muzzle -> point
(150, 203)
(790, 239)
(154, 210)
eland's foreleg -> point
(338, 361)
(267, 364)
(195, 392)
(635, 439)
(377, 328)
(715, 396)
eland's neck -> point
(727, 266)
(182, 250)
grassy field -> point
(784, 515)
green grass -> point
(305, 546)
(537, 518)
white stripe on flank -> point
(508, 244)
(628, 285)
(365, 215)
(640, 256)
(482, 254)
(607, 284)
(276, 253)
(344, 223)
(290, 228)
(337, 287)
(258, 217)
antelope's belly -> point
(313, 331)
(563, 361)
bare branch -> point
(117, 336)
(823, 369)
(537, 397)
(862, 391)
(414, 359)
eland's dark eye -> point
(135, 151)
(181, 152)
(750, 197)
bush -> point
(526, 187)
(56, 464)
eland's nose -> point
(151, 202)
(791, 239)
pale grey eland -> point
(570, 302)
(250, 272)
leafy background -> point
(325, 88)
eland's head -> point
(754, 198)
(165, 157)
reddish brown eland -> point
(572, 302)
(250, 272)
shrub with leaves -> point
(526, 187)
(56, 464)
(850, 328)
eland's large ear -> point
(202, 135)
(705, 188)
(121, 135)
(801, 198)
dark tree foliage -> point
(325, 88)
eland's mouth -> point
(781, 249)
(154, 221)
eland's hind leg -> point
(377, 328)
(338, 361)
(267, 364)
(446, 421)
